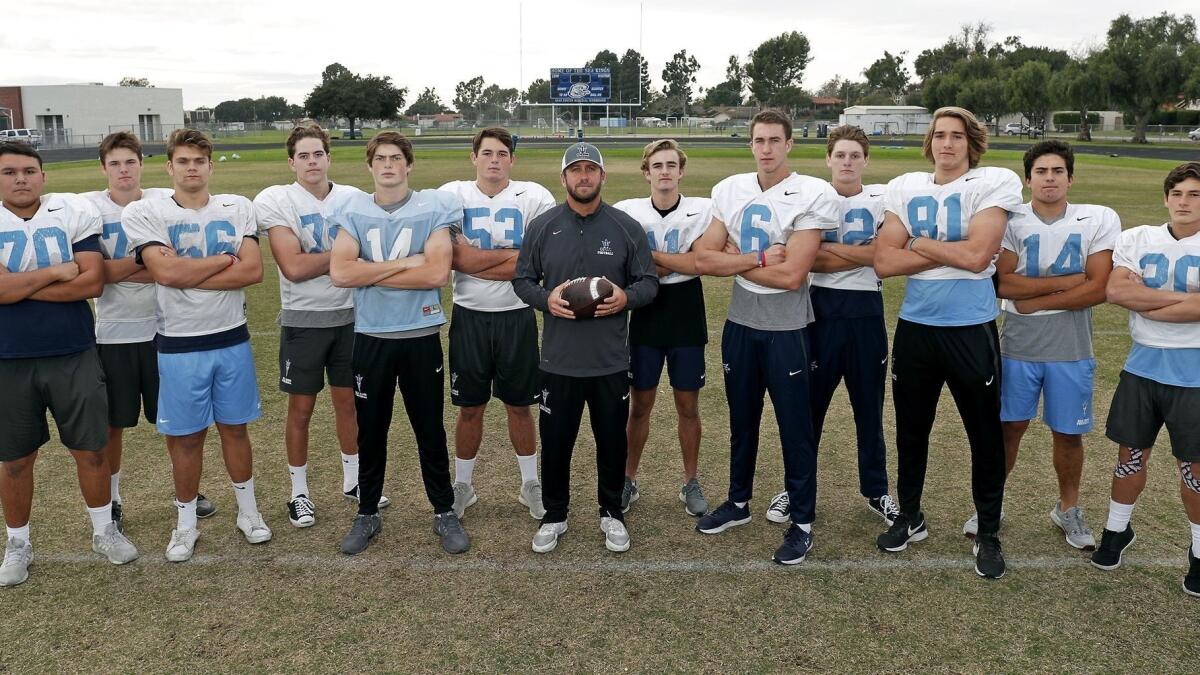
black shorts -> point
(71, 387)
(493, 353)
(685, 367)
(308, 355)
(131, 382)
(1141, 406)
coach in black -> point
(584, 360)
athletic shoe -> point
(780, 509)
(796, 545)
(464, 496)
(616, 537)
(113, 545)
(629, 494)
(531, 496)
(182, 544)
(722, 518)
(302, 512)
(17, 557)
(1074, 527)
(884, 507)
(1191, 583)
(989, 560)
(352, 495)
(902, 533)
(693, 498)
(254, 527)
(118, 516)
(449, 528)
(204, 508)
(1112, 548)
(362, 531)
(971, 527)
(547, 536)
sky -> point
(227, 49)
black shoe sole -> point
(920, 535)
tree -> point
(679, 75)
(888, 75)
(631, 79)
(792, 99)
(270, 108)
(427, 103)
(1147, 58)
(1027, 89)
(777, 63)
(729, 92)
(497, 102)
(241, 110)
(940, 90)
(604, 59)
(537, 92)
(134, 82)
(984, 97)
(355, 97)
(467, 95)
(1081, 85)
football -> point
(584, 294)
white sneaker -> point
(531, 496)
(547, 536)
(254, 527)
(17, 557)
(352, 495)
(779, 510)
(971, 527)
(182, 545)
(114, 546)
(616, 537)
(464, 496)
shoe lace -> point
(887, 505)
(782, 503)
(13, 554)
(693, 489)
(451, 524)
(303, 507)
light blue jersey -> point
(390, 236)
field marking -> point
(610, 566)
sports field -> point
(678, 600)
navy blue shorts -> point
(685, 367)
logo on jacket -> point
(605, 248)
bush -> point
(1073, 118)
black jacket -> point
(561, 245)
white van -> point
(30, 136)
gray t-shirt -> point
(1065, 336)
(302, 318)
(770, 311)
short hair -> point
(499, 133)
(120, 139)
(660, 145)
(1179, 174)
(772, 117)
(189, 137)
(848, 132)
(302, 131)
(976, 133)
(1050, 147)
(20, 148)
(390, 138)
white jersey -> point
(294, 208)
(495, 223)
(1163, 261)
(1059, 248)
(125, 311)
(944, 212)
(860, 218)
(62, 220)
(218, 227)
(676, 232)
(757, 219)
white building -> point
(887, 119)
(82, 114)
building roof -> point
(886, 110)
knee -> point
(90, 460)
(688, 410)
(18, 467)
(472, 414)
(519, 413)
(1130, 462)
(640, 410)
(1189, 473)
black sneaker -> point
(901, 533)
(118, 516)
(1191, 583)
(722, 518)
(362, 531)
(989, 560)
(884, 507)
(796, 545)
(204, 508)
(302, 512)
(1112, 547)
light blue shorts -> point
(199, 388)
(1067, 387)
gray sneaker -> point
(693, 498)
(450, 529)
(531, 496)
(362, 531)
(971, 527)
(464, 496)
(204, 507)
(1074, 526)
(546, 538)
(629, 494)
(616, 537)
(113, 545)
(17, 557)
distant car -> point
(1194, 135)
(31, 136)
(1014, 129)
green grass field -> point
(677, 601)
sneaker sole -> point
(302, 523)
(535, 516)
(912, 539)
(260, 539)
(1120, 556)
(553, 545)
(689, 511)
(793, 561)
(778, 518)
(1058, 521)
(975, 551)
(724, 526)
(18, 582)
(615, 548)
(1194, 594)
(111, 560)
(177, 559)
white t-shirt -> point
(1165, 262)
(861, 216)
(676, 232)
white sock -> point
(186, 518)
(741, 505)
(528, 466)
(464, 469)
(115, 487)
(101, 517)
(245, 496)
(349, 472)
(807, 527)
(1195, 538)
(1118, 516)
(299, 476)
(21, 532)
